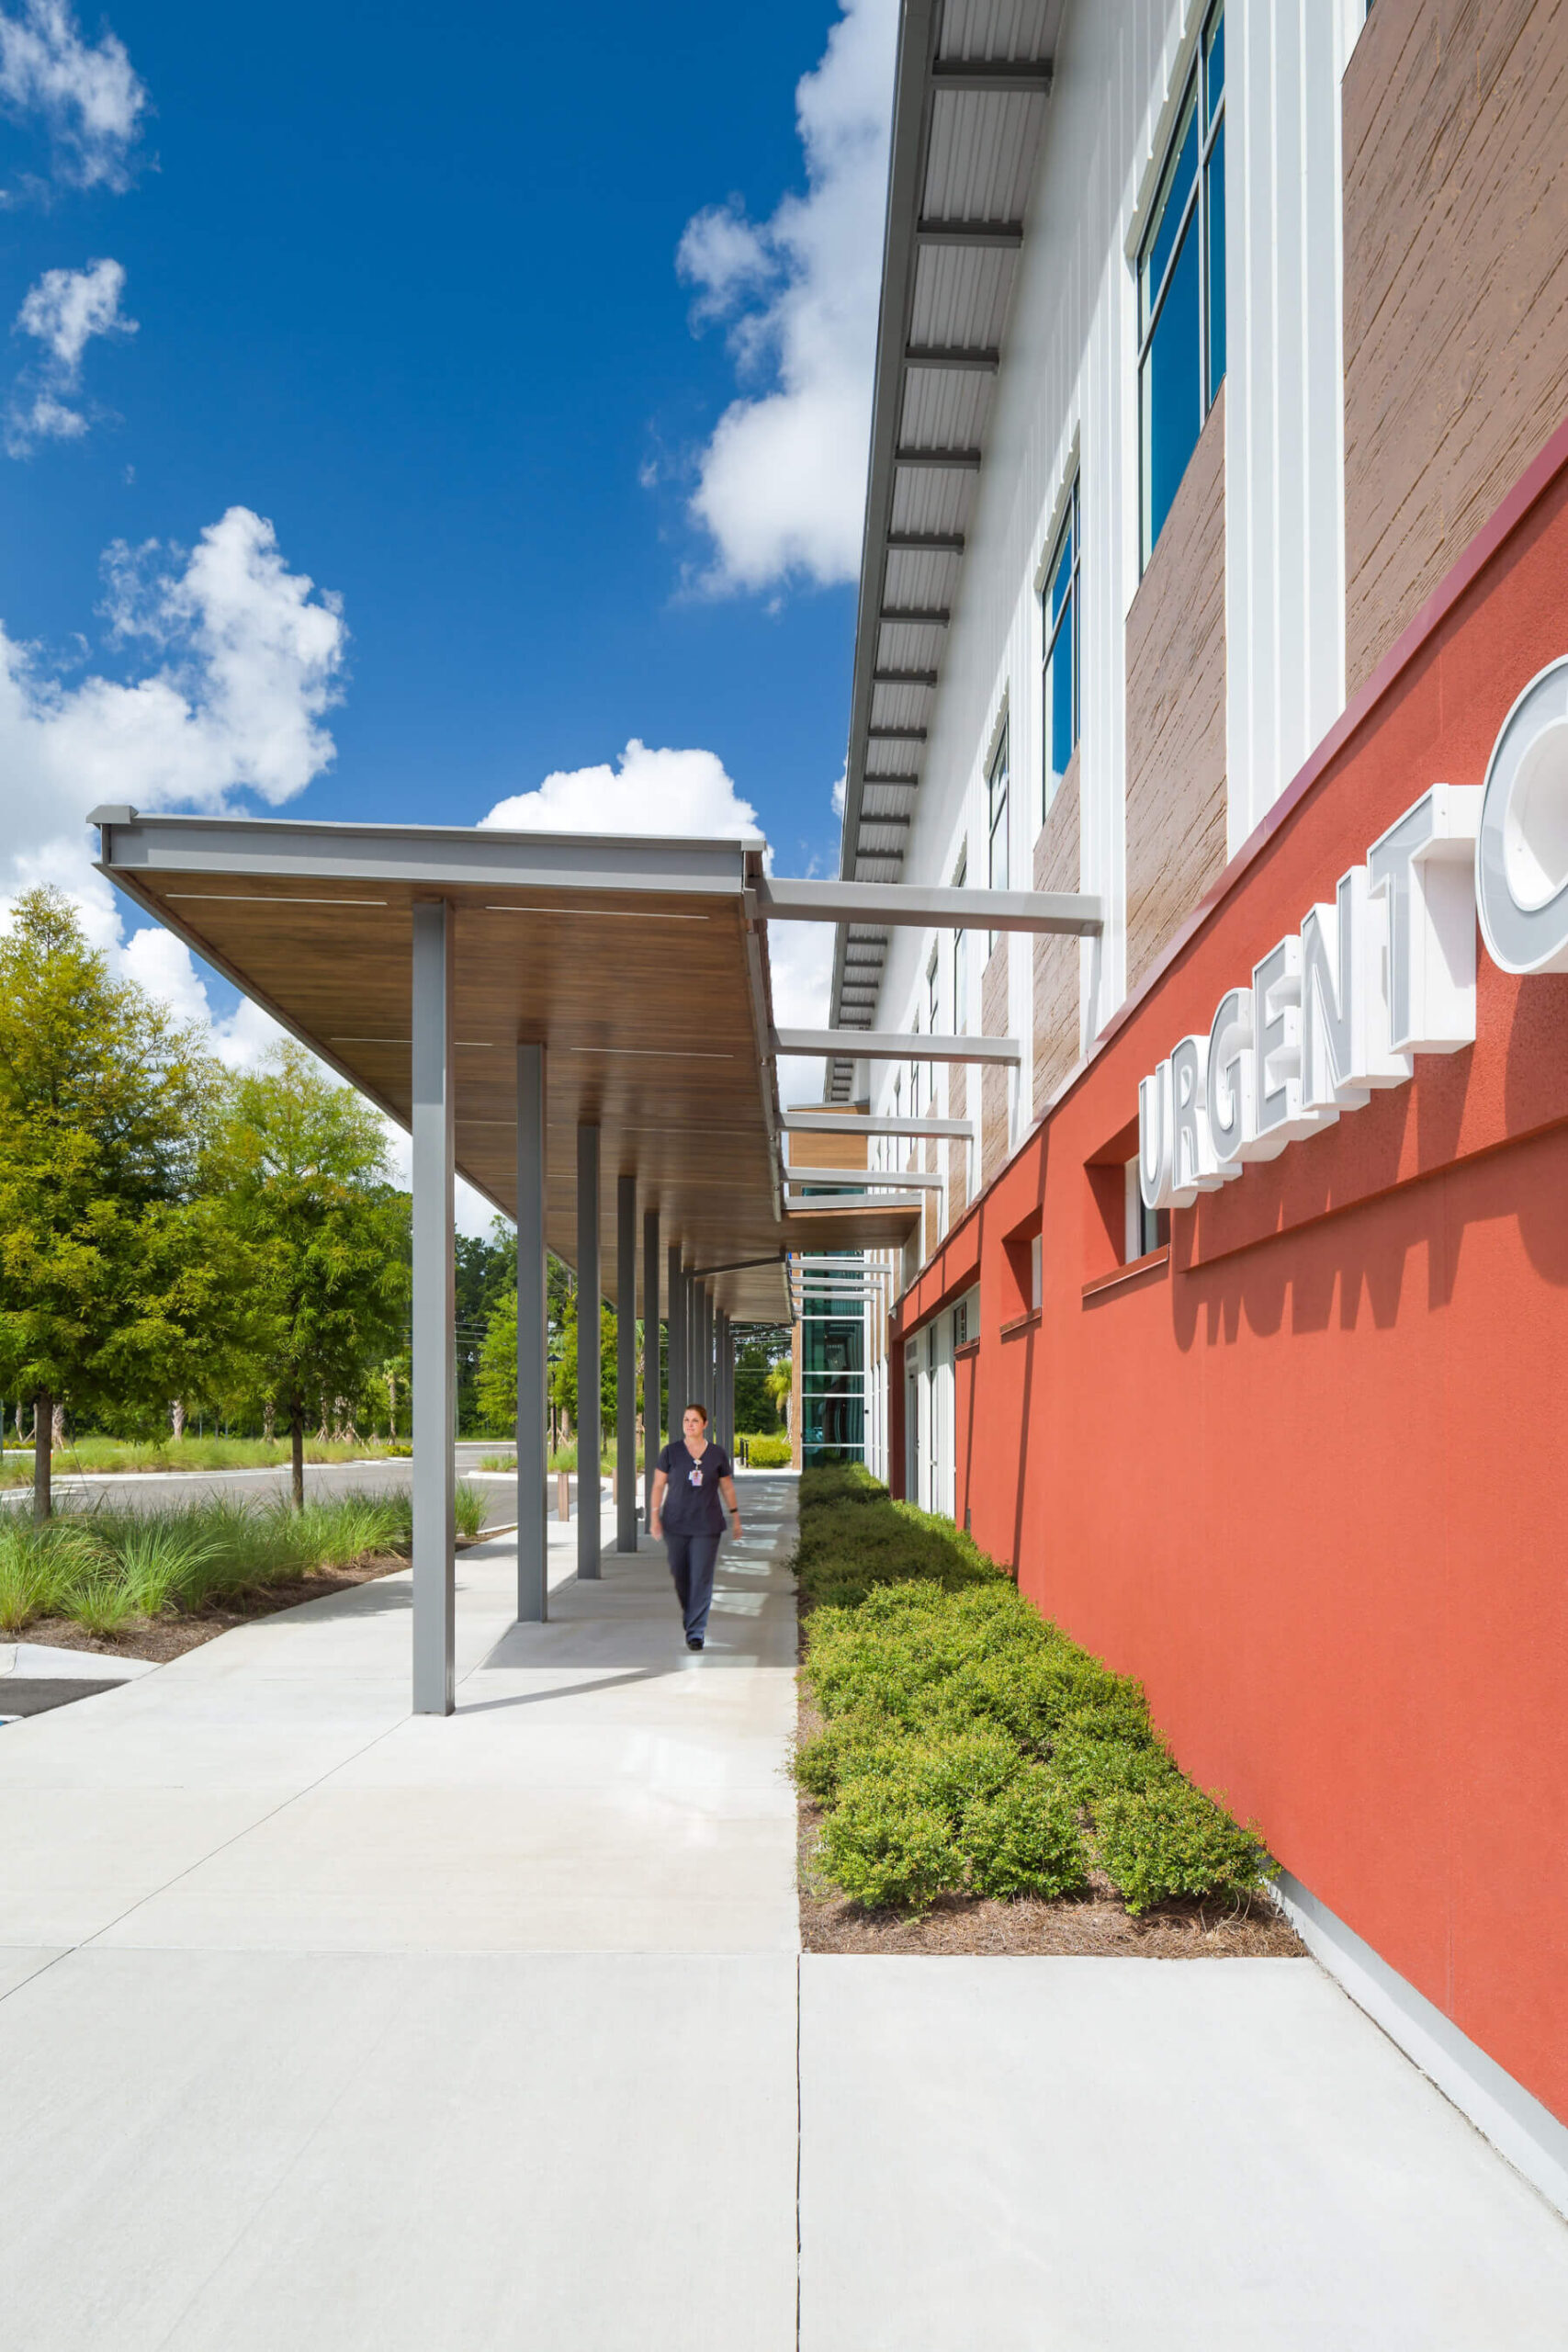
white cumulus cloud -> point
(86, 95)
(687, 793)
(782, 482)
(62, 313)
(244, 659)
(646, 792)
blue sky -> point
(543, 348)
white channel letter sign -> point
(1385, 972)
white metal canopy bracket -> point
(896, 1045)
(838, 1123)
(919, 906)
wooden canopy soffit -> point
(634, 963)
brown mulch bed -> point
(1096, 1923)
(162, 1638)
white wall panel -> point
(1067, 392)
(1284, 409)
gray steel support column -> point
(435, 1336)
(720, 1329)
(589, 1432)
(625, 1364)
(706, 1392)
(677, 1321)
(652, 1428)
(533, 1344)
(733, 1352)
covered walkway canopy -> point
(581, 1028)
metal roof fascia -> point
(432, 856)
(912, 101)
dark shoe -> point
(693, 1641)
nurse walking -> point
(690, 1476)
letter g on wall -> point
(1521, 848)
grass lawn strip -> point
(150, 1584)
(969, 1774)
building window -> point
(996, 821)
(931, 996)
(1060, 699)
(1036, 1273)
(961, 959)
(1181, 285)
(1146, 1228)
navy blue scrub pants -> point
(692, 1561)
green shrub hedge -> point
(967, 1746)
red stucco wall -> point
(1309, 1478)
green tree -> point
(300, 1166)
(113, 1289)
(486, 1270)
(495, 1380)
(497, 1377)
(756, 1405)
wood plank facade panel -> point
(992, 1076)
(1456, 287)
(1055, 975)
(1175, 709)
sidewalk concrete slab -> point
(1096, 2155)
(35, 1659)
(392, 2030)
(236, 2152)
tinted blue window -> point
(1173, 390)
(1060, 697)
(1215, 70)
(1064, 578)
(1168, 217)
(1216, 170)
(1181, 281)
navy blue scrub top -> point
(691, 1500)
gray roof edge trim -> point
(918, 29)
(432, 855)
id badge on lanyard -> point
(695, 1476)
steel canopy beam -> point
(961, 461)
(957, 359)
(896, 1045)
(922, 906)
(832, 1123)
(808, 1209)
(1005, 235)
(887, 1179)
(1032, 78)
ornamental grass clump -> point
(969, 1747)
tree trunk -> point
(321, 1432)
(391, 1407)
(43, 1464)
(57, 1429)
(269, 1420)
(178, 1417)
(296, 1450)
